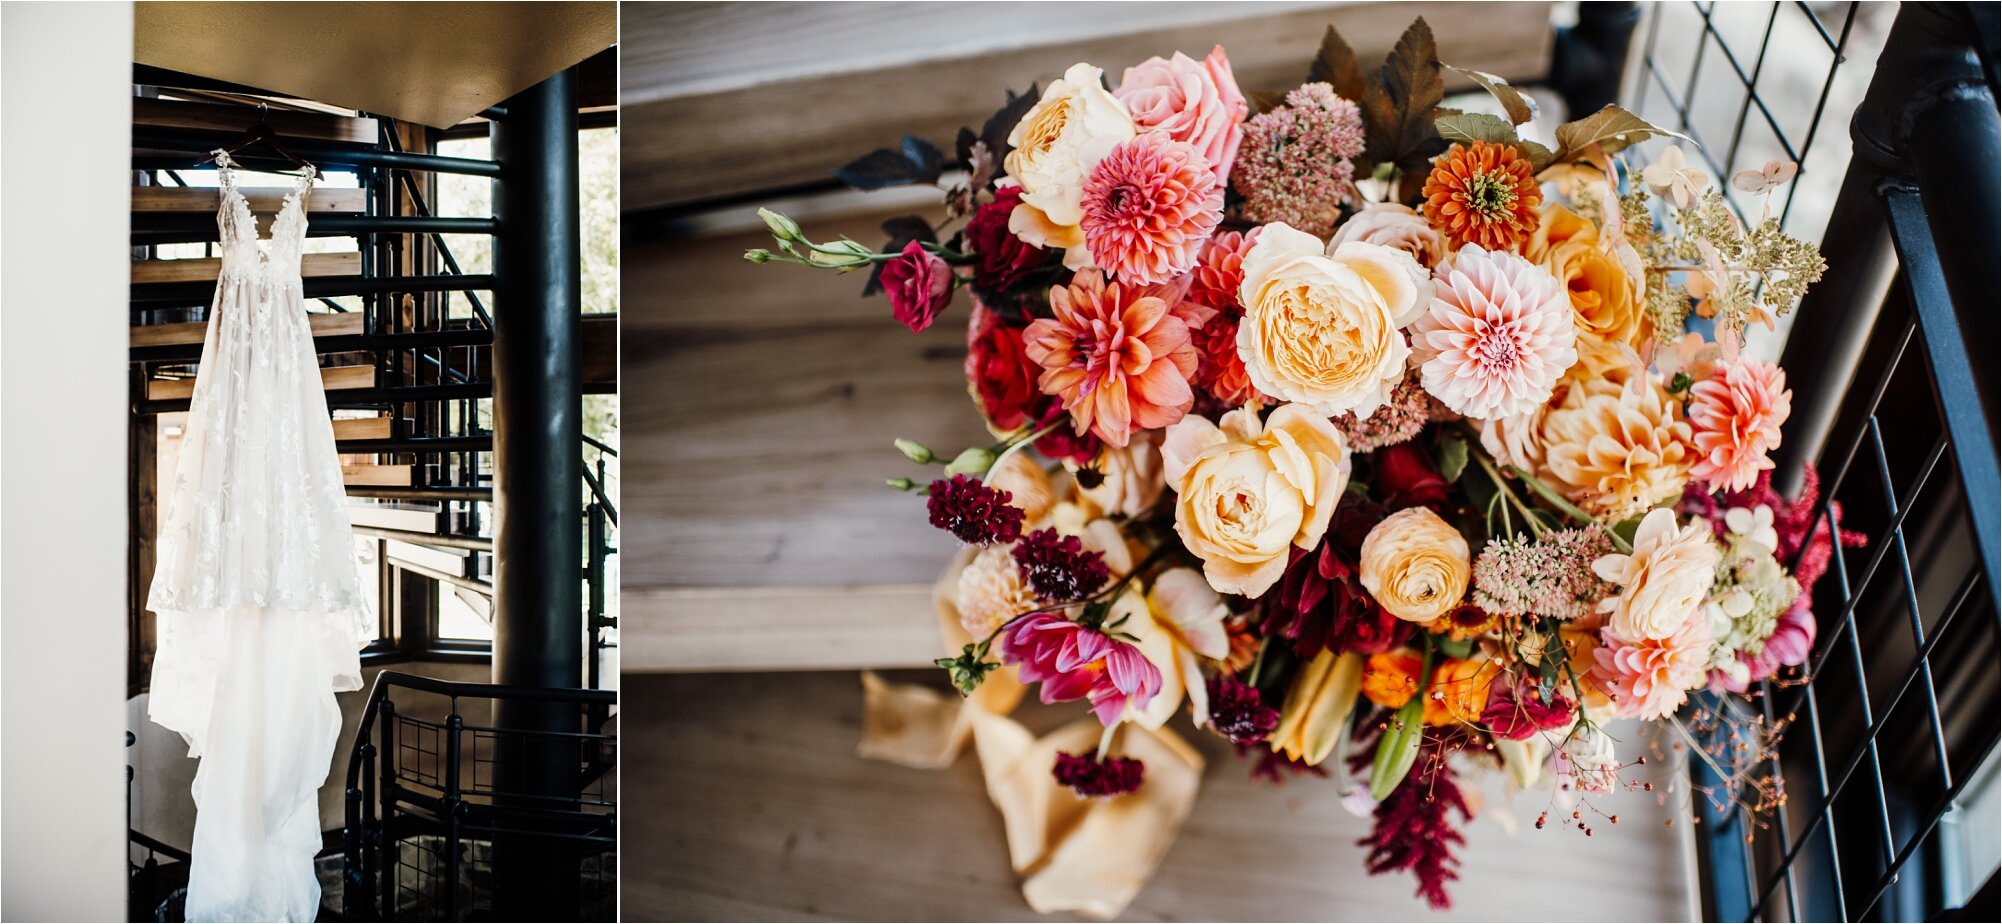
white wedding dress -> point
(260, 611)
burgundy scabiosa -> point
(1073, 662)
(1099, 779)
(1059, 568)
(976, 513)
(1237, 711)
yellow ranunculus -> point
(1415, 565)
(1324, 330)
(1247, 493)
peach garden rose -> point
(1325, 330)
(1247, 493)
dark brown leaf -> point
(1337, 66)
(1397, 106)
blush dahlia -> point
(1148, 208)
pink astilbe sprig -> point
(1148, 208)
(1294, 163)
(1414, 827)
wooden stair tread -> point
(332, 378)
(165, 113)
(364, 428)
(598, 339)
(356, 473)
(263, 199)
(323, 325)
(206, 269)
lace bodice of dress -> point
(244, 254)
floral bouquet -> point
(1371, 435)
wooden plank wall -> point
(760, 535)
(723, 99)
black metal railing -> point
(433, 796)
(1892, 365)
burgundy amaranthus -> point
(976, 513)
(1798, 522)
(1059, 568)
(1237, 711)
(1414, 828)
(1093, 779)
(1320, 602)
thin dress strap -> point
(306, 178)
(225, 170)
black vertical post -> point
(537, 414)
(1590, 57)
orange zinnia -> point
(1483, 194)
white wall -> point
(66, 152)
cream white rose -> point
(1666, 578)
(1067, 132)
(1323, 330)
(1415, 565)
(1246, 493)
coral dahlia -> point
(1651, 678)
(1119, 361)
(1735, 417)
(1148, 208)
(1498, 336)
(1483, 194)
(1214, 282)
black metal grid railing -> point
(1896, 708)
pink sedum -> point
(1498, 337)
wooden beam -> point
(725, 100)
(206, 269)
(323, 325)
(599, 341)
(262, 199)
(391, 475)
(332, 378)
(777, 629)
(169, 113)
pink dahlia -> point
(1119, 361)
(1073, 662)
(1651, 678)
(1189, 100)
(1148, 208)
(1498, 337)
(1735, 416)
(1214, 282)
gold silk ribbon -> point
(1087, 856)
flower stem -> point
(1105, 741)
(1016, 446)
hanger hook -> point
(263, 111)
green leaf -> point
(1397, 750)
(1625, 529)
(1519, 108)
(1397, 107)
(1612, 129)
(1453, 647)
(1454, 125)
(1452, 456)
(1337, 66)
(1539, 156)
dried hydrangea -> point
(1294, 164)
(1548, 576)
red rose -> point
(1001, 259)
(918, 284)
(1405, 478)
(1000, 373)
(1064, 442)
